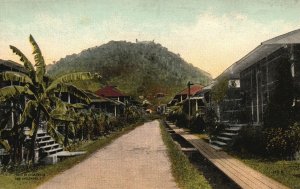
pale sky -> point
(210, 34)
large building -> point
(256, 73)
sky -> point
(210, 34)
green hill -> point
(139, 69)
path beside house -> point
(135, 160)
(236, 170)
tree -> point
(40, 91)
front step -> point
(49, 147)
(225, 139)
(219, 143)
(233, 129)
(228, 134)
(215, 147)
(237, 124)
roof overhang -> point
(263, 50)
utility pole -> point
(189, 101)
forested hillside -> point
(139, 69)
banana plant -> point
(40, 90)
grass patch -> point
(285, 172)
(41, 174)
(187, 176)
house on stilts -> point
(252, 81)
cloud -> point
(215, 42)
(212, 43)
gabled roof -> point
(13, 65)
(194, 89)
(100, 99)
(263, 50)
(110, 91)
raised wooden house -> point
(257, 71)
(256, 77)
(8, 65)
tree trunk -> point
(66, 142)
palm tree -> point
(40, 90)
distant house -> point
(99, 103)
(8, 65)
(182, 95)
(196, 100)
(104, 104)
(112, 93)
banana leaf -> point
(39, 61)
(27, 64)
(5, 145)
(77, 76)
(15, 77)
(60, 108)
(60, 112)
(58, 137)
(29, 111)
(9, 92)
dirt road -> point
(135, 160)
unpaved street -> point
(135, 160)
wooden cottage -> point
(256, 76)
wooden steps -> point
(236, 170)
(225, 138)
(47, 144)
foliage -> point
(185, 174)
(283, 142)
(270, 142)
(40, 90)
(120, 63)
(197, 124)
(177, 115)
(210, 120)
(250, 140)
(219, 90)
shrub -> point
(251, 140)
(197, 124)
(212, 127)
(271, 142)
(283, 142)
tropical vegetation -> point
(33, 100)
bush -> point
(283, 142)
(271, 142)
(250, 140)
(197, 124)
(212, 127)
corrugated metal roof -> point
(263, 50)
(110, 91)
(194, 89)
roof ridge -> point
(279, 37)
